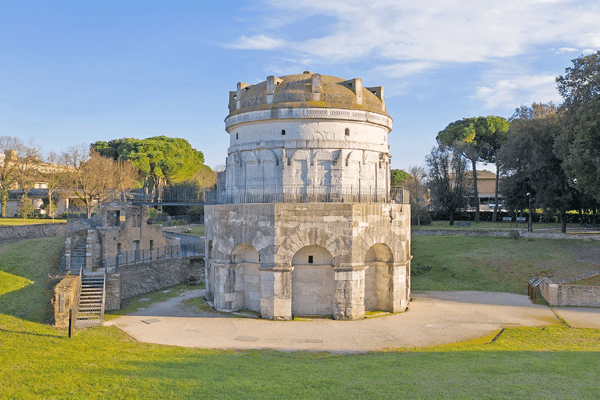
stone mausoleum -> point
(305, 223)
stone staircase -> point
(78, 257)
(91, 301)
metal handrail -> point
(75, 309)
(103, 299)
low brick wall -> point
(507, 233)
(65, 294)
(145, 277)
(569, 295)
(33, 231)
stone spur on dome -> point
(305, 222)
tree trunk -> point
(563, 221)
(496, 196)
(418, 214)
(476, 192)
(451, 217)
(580, 217)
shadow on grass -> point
(32, 334)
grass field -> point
(197, 230)
(38, 361)
(496, 264)
(29, 221)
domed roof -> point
(307, 90)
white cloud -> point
(258, 42)
(525, 89)
(566, 50)
(402, 70)
(437, 31)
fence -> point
(276, 194)
(137, 256)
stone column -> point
(209, 273)
(276, 291)
(68, 253)
(349, 295)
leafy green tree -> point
(26, 209)
(161, 160)
(578, 142)
(478, 140)
(448, 180)
(398, 177)
(531, 164)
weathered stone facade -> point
(65, 296)
(306, 240)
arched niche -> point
(313, 281)
(244, 253)
(378, 260)
(245, 261)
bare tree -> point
(94, 178)
(416, 186)
(53, 172)
(18, 168)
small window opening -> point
(347, 131)
(277, 161)
(246, 89)
(237, 136)
(259, 258)
(283, 131)
(151, 245)
(310, 259)
(235, 96)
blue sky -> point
(76, 72)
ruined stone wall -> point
(506, 233)
(65, 295)
(33, 231)
(569, 295)
(145, 277)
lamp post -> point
(529, 224)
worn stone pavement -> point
(433, 318)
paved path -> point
(432, 318)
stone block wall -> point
(312, 258)
(33, 231)
(65, 295)
(569, 295)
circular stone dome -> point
(306, 90)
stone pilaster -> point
(393, 293)
(226, 298)
(276, 291)
(349, 295)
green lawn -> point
(29, 221)
(38, 361)
(197, 230)
(496, 264)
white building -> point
(307, 224)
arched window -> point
(283, 131)
(347, 131)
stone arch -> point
(314, 236)
(313, 281)
(378, 259)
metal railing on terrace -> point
(143, 255)
(276, 194)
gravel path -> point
(433, 318)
